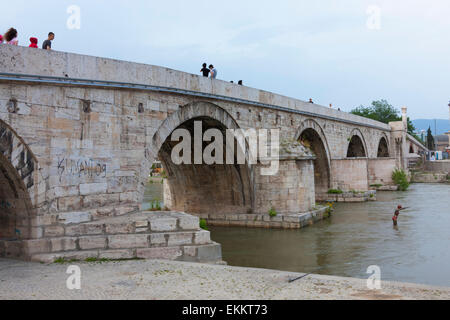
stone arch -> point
(357, 147)
(411, 148)
(199, 189)
(18, 168)
(383, 148)
(311, 134)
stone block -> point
(163, 224)
(36, 246)
(202, 237)
(128, 241)
(74, 217)
(93, 188)
(117, 254)
(54, 231)
(120, 211)
(141, 224)
(88, 243)
(172, 253)
(190, 251)
(209, 253)
(84, 229)
(189, 222)
(120, 228)
(158, 240)
(63, 244)
(176, 239)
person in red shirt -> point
(34, 42)
(396, 214)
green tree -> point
(430, 139)
(382, 111)
(379, 110)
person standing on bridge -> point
(213, 72)
(47, 45)
(34, 42)
(11, 37)
(205, 71)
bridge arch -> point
(357, 147)
(202, 188)
(311, 134)
(18, 167)
(383, 147)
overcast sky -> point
(304, 49)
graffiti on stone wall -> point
(6, 205)
(81, 168)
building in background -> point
(448, 133)
(442, 142)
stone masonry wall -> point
(349, 174)
(290, 191)
(380, 171)
(92, 144)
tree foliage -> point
(430, 139)
(382, 111)
(400, 179)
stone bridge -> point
(79, 134)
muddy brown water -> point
(357, 236)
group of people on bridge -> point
(212, 73)
(11, 37)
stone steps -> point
(147, 235)
(208, 253)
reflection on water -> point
(356, 237)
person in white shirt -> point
(213, 72)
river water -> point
(358, 235)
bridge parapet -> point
(20, 60)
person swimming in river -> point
(396, 214)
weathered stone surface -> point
(211, 252)
(180, 238)
(37, 246)
(126, 227)
(202, 237)
(171, 253)
(189, 222)
(74, 217)
(87, 243)
(63, 244)
(54, 231)
(158, 239)
(93, 188)
(128, 241)
(117, 254)
(161, 225)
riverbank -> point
(168, 280)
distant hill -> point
(442, 125)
